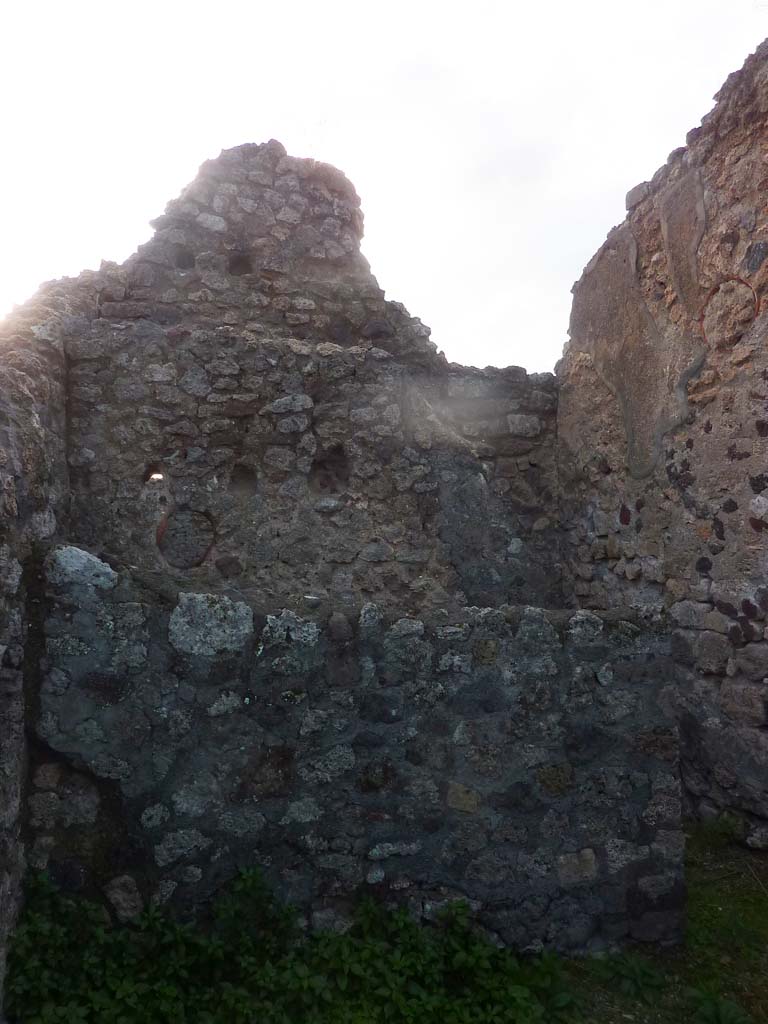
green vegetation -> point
(720, 974)
(252, 964)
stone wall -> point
(33, 494)
(663, 436)
(238, 410)
(278, 583)
(249, 415)
(515, 757)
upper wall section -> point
(249, 414)
(680, 282)
(663, 410)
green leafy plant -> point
(632, 975)
(712, 1009)
(248, 961)
(251, 963)
(718, 833)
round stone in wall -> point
(185, 538)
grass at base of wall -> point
(68, 964)
(720, 974)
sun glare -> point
(492, 147)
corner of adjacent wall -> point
(33, 505)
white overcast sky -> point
(492, 141)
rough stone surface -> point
(33, 490)
(663, 436)
(279, 583)
(73, 568)
(269, 427)
(207, 625)
(123, 893)
(505, 756)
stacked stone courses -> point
(279, 585)
(480, 758)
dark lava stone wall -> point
(663, 437)
(515, 757)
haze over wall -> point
(492, 145)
